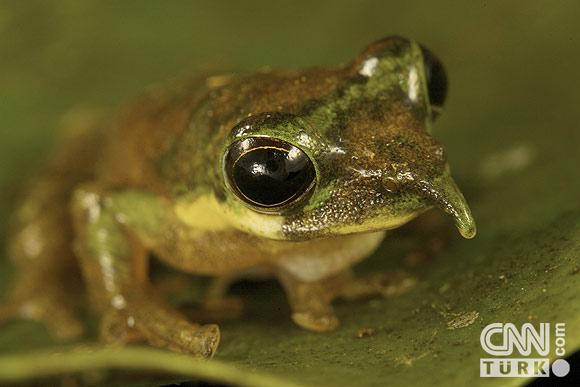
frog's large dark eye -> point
(436, 80)
(268, 173)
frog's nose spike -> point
(445, 194)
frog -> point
(292, 174)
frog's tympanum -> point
(291, 174)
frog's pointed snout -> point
(444, 194)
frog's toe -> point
(203, 340)
(314, 322)
(122, 327)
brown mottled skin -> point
(155, 181)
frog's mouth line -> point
(444, 194)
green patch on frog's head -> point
(358, 159)
(395, 69)
(283, 180)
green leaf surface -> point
(511, 128)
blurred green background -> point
(510, 126)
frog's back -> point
(144, 131)
(94, 147)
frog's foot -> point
(310, 303)
(322, 320)
(52, 308)
(160, 326)
(388, 284)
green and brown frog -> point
(292, 174)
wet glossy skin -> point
(159, 181)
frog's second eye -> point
(268, 173)
(436, 80)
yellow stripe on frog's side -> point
(264, 225)
(202, 213)
(205, 214)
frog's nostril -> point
(390, 184)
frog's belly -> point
(235, 253)
(320, 258)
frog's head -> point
(358, 159)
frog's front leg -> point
(311, 301)
(114, 232)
